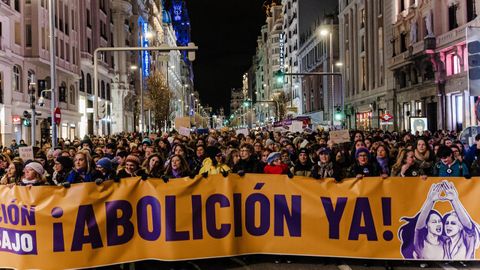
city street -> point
(175, 129)
(272, 262)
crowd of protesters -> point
(170, 155)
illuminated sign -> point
(16, 119)
(145, 54)
(282, 52)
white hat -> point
(37, 167)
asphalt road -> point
(270, 262)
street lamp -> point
(324, 32)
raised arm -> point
(452, 195)
(433, 196)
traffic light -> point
(338, 114)
(26, 122)
(279, 77)
(26, 119)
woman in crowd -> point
(383, 160)
(275, 164)
(84, 169)
(214, 163)
(33, 175)
(132, 168)
(405, 166)
(155, 166)
(177, 167)
(363, 166)
(14, 173)
(325, 167)
(106, 169)
(62, 168)
(233, 157)
(303, 165)
(424, 157)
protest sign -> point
(25, 153)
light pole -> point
(31, 91)
(324, 33)
(53, 68)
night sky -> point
(226, 33)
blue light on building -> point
(145, 54)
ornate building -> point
(25, 59)
(365, 34)
(430, 62)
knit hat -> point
(272, 156)
(324, 150)
(37, 167)
(67, 163)
(41, 155)
(362, 150)
(132, 158)
(105, 163)
(303, 150)
(147, 141)
(268, 142)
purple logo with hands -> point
(429, 235)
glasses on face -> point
(362, 155)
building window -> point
(82, 83)
(1, 87)
(17, 78)
(108, 94)
(62, 92)
(28, 35)
(89, 83)
(17, 5)
(73, 20)
(452, 17)
(403, 42)
(471, 12)
(72, 95)
(89, 45)
(401, 5)
(102, 90)
(18, 34)
(89, 21)
(30, 77)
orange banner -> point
(91, 225)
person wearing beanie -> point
(109, 150)
(33, 175)
(62, 168)
(303, 164)
(132, 168)
(327, 167)
(105, 167)
(363, 166)
(275, 164)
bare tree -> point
(158, 100)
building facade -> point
(318, 98)
(25, 59)
(366, 32)
(430, 62)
